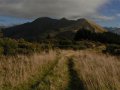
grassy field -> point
(63, 70)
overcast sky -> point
(104, 12)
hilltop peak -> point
(43, 26)
(91, 25)
(44, 19)
(82, 19)
(63, 19)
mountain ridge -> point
(42, 27)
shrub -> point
(13, 47)
(10, 46)
(113, 49)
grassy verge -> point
(17, 73)
(98, 71)
(57, 79)
(61, 70)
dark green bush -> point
(113, 49)
(10, 46)
(105, 37)
(13, 47)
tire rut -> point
(75, 83)
(38, 82)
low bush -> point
(113, 49)
(13, 47)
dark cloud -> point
(51, 8)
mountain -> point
(117, 31)
(1, 27)
(113, 29)
(110, 28)
(43, 27)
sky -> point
(104, 12)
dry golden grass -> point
(58, 70)
(57, 79)
(18, 70)
(98, 71)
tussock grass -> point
(58, 78)
(60, 70)
(98, 71)
(18, 70)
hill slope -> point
(42, 27)
(114, 30)
(117, 31)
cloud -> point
(104, 18)
(118, 15)
(51, 8)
